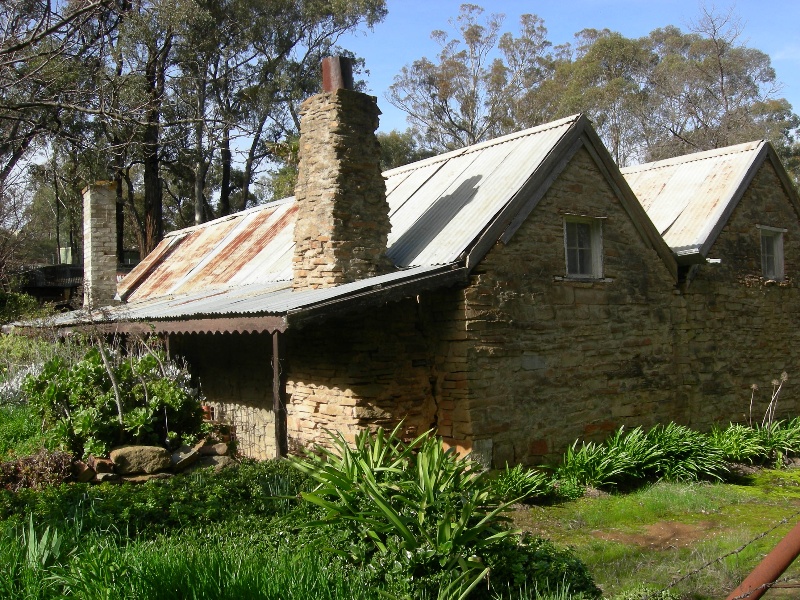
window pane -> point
(573, 267)
(585, 259)
(584, 235)
(579, 248)
(572, 235)
(770, 261)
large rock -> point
(140, 459)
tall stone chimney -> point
(343, 217)
(99, 244)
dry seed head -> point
(784, 376)
(754, 387)
(775, 382)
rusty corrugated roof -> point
(437, 206)
(235, 273)
(253, 246)
(689, 198)
(254, 300)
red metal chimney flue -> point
(337, 73)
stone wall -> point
(359, 372)
(740, 330)
(99, 244)
(530, 360)
(523, 361)
(343, 219)
(235, 373)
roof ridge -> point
(505, 138)
(686, 159)
(234, 215)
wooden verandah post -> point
(279, 395)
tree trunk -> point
(225, 183)
(120, 218)
(201, 168)
(153, 207)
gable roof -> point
(690, 198)
(446, 214)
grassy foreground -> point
(669, 532)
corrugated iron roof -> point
(438, 207)
(689, 198)
(254, 299)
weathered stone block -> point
(129, 460)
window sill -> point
(561, 279)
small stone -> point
(214, 450)
(184, 457)
(100, 465)
(218, 462)
(82, 472)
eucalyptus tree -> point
(665, 94)
(708, 90)
(472, 91)
(48, 58)
(208, 78)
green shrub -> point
(534, 563)
(779, 439)
(590, 464)
(20, 432)
(518, 484)
(15, 306)
(263, 490)
(739, 443)
(109, 399)
(635, 455)
(686, 455)
(414, 510)
(420, 514)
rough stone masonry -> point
(99, 244)
(343, 219)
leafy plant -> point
(634, 454)
(738, 443)
(779, 439)
(590, 464)
(417, 512)
(686, 455)
(518, 484)
(422, 511)
(109, 398)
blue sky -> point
(772, 27)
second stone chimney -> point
(99, 245)
(343, 217)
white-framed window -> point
(771, 252)
(583, 247)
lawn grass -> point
(660, 534)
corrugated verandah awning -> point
(255, 308)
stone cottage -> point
(513, 295)
(732, 219)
